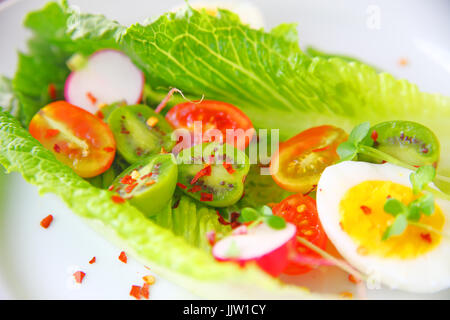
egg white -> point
(427, 273)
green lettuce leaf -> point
(272, 80)
(167, 254)
(58, 33)
(8, 99)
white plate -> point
(38, 264)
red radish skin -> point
(108, 76)
(272, 247)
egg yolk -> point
(363, 218)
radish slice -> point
(268, 247)
(108, 76)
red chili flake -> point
(195, 189)
(111, 188)
(374, 136)
(426, 237)
(50, 133)
(100, 114)
(341, 225)
(52, 91)
(182, 186)
(144, 292)
(314, 186)
(123, 257)
(403, 62)
(206, 196)
(92, 260)
(127, 179)
(228, 167)
(130, 188)
(136, 292)
(45, 223)
(91, 97)
(125, 131)
(109, 149)
(79, 276)
(117, 199)
(321, 149)
(57, 148)
(352, 279)
(211, 237)
(148, 175)
(222, 220)
(206, 171)
(366, 210)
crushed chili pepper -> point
(182, 186)
(426, 237)
(92, 260)
(127, 179)
(45, 223)
(100, 114)
(130, 187)
(206, 196)
(195, 189)
(163, 150)
(145, 292)
(109, 149)
(228, 167)
(206, 171)
(403, 62)
(91, 97)
(149, 279)
(111, 188)
(135, 292)
(123, 257)
(374, 136)
(150, 182)
(57, 148)
(117, 199)
(152, 121)
(366, 210)
(148, 175)
(50, 133)
(79, 276)
(52, 91)
(352, 279)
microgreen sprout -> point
(262, 214)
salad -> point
(228, 159)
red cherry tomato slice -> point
(301, 211)
(213, 115)
(77, 138)
(298, 163)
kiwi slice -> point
(213, 173)
(408, 141)
(148, 184)
(139, 132)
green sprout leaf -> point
(359, 133)
(266, 211)
(399, 225)
(422, 177)
(347, 151)
(425, 204)
(248, 215)
(276, 222)
(394, 207)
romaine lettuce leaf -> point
(272, 80)
(168, 255)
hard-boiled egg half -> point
(247, 12)
(350, 202)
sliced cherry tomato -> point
(213, 115)
(301, 211)
(298, 163)
(77, 138)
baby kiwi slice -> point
(139, 132)
(149, 183)
(213, 173)
(408, 141)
